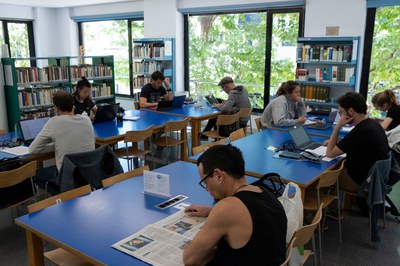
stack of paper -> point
(18, 151)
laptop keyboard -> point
(312, 146)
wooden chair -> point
(124, 176)
(167, 140)
(136, 104)
(305, 233)
(3, 131)
(258, 123)
(17, 176)
(246, 113)
(222, 120)
(237, 134)
(130, 153)
(314, 198)
(203, 148)
(289, 252)
(60, 256)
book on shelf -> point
(146, 67)
(302, 74)
(101, 90)
(315, 93)
(324, 53)
(334, 74)
(90, 71)
(45, 74)
(29, 97)
(140, 81)
(148, 50)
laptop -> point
(177, 102)
(30, 128)
(106, 112)
(301, 138)
(211, 99)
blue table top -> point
(259, 160)
(188, 110)
(111, 129)
(92, 223)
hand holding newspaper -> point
(162, 243)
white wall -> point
(16, 12)
(107, 9)
(351, 21)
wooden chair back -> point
(3, 131)
(330, 177)
(289, 252)
(304, 234)
(59, 198)
(203, 148)
(138, 135)
(16, 176)
(237, 134)
(136, 104)
(258, 123)
(176, 125)
(225, 120)
(245, 112)
(124, 176)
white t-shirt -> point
(64, 134)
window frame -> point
(268, 31)
(130, 51)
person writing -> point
(386, 101)
(82, 100)
(154, 91)
(65, 133)
(287, 109)
(248, 224)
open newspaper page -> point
(162, 243)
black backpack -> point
(272, 182)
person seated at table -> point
(287, 109)
(82, 101)
(154, 91)
(386, 101)
(238, 97)
(365, 144)
(248, 224)
(65, 133)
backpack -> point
(272, 182)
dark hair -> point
(353, 100)
(227, 158)
(157, 75)
(386, 96)
(64, 101)
(83, 83)
(287, 87)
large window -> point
(113, 38)
(258, 50)
(18, 35)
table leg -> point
(35, 249)
(195, 132)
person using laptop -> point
(247, 225)
(65, 133)
(238, 97)
(287, 109)
(82, 101)
(386, 101)
(364, 145)
(154, 91)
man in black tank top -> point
(248, 224)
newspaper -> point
(162, 243)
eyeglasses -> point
(202, 182)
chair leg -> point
(251, 126)
(339, 220)
(314, 251)
(384, 215)
(320, 237)
(370, 229)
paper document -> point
(310, 122)
(18, 151)
(156, 183)
(131, 118)
(162, 243)
(321, 151)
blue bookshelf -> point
(327, 68)
(151, 54)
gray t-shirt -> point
(64, 134)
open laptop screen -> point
(299, 135)
(32, 127)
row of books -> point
(45, 74)
(49, 111)
(321, 53)
(146, 67)
(315, 93)
(32, 98)
(100, 90)
(140, 81)
(90, 71)
(334, 74)
(148, 50)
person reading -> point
(82, 101)
(386, 101)
(247, 225)
(154, 91)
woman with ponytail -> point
(287, 109)
(386, 101)
(82, 101)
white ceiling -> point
(60, 3)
